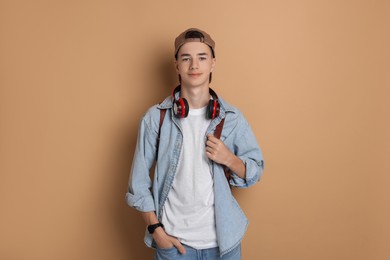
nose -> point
(194, 64)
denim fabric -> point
(231, 222)
(194, 254)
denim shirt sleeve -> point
(247, 149)
(139, 195)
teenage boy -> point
(188, 207)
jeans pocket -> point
(166, 249)
(166, 253)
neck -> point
(196, 97)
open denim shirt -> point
(231, 222)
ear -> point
(213, 64)
(176, 66)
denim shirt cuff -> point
(253, 171)
(141, 203)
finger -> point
(212, 138)
(210, 144)
(212, 148)
(165, 245)
(179, 246)
(209, 151)
(210, 156)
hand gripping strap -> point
(217, 134)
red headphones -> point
(181, 108)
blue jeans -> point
(197, 254)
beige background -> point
(312, 77)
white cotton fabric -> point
(188, 212)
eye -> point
(202, 58)
(185, 59)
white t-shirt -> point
(188, 212)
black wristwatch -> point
(152, 228)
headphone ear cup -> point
(180, 108)
(212, 109)
(186, 108)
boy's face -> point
(194, 64)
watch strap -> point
(152, 228)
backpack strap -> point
(218, 129)
(217, 134)
(162, 116)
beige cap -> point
(185, 37)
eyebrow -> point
(199, 54)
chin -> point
(196, 83)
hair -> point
(199, 35)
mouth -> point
(194, 75)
